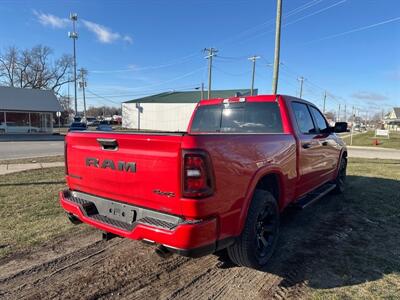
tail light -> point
(65, 158)
(198, 181)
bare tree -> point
(105, 111)
(67, 111)
(34, 68)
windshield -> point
(252, 117)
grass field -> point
(363, 260)
(29, 210)
(367, 138)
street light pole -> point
(301, 79)
(211, 53)
(83, 84)
(74, 35)
(253, 59)
(277, 47)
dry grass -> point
(29, 210)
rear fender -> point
(249, 194)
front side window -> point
(303, 118)
(319, 119)
(247, 117)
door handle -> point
(108, 144)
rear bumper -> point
(188, 238)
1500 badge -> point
(161, 193)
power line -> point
(284, 24)
(315, 13)
(270, 22)
(355, 30)
(153, 67)
(146, 92)
(229, 73)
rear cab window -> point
(242, 117)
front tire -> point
(255, 246)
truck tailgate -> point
(143, 169)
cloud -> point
(364, 95)
(105, 35)
(51, 20)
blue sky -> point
(133, 48)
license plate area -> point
(109, 209)
(119, 212)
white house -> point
(169, 111)
(392, 119)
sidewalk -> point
(373, 152)
(13, 168)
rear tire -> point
(255, 246)
(340, 180)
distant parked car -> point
(77, 126)
(104, 126)
(12, 127)
(90, 121)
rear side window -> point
(303, 118)
(248, 117)
(319, 119)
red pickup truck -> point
(222, 184)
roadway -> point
(373, 152)
(28, 149)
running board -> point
(315, 195)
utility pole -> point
(211, 53)
(253, 59)
(324, 102)
(301, 79)
(277, 47)
(345, 113)
(82, 85)
(74, 35)
(202, 91)
(338, 118)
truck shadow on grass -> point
(342, 240)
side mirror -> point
(340, 127)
